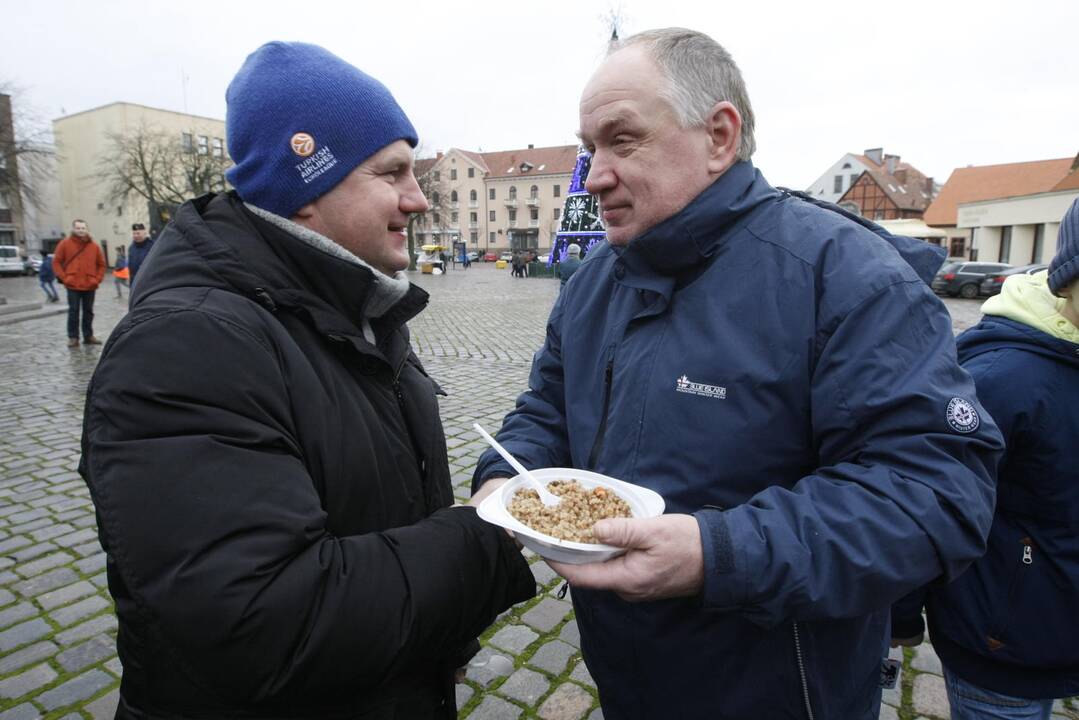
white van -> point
(10, 260)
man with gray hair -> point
(567, 267)
(783, 376)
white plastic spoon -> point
(546, 496)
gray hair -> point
(573, 249)
(699, 74)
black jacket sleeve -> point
(215, 526)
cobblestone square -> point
(57, 628)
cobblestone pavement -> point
(57, 628)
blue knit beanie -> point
(1065, 266)
(299, 120)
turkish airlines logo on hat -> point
(302, 144)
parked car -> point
(10, 261)
(507, 256)
(32, 265)
(472, 256)
(490, 256)
(992, 284)
(545, 258)
(964, 278)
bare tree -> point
(159, 167)
(26, 150)
(434, 190)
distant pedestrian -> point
(466, 261)
(567, 267)
(46, 278)
(518, 263)
(80, 265)
(140, 247)
(120, 273)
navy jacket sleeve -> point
(900, 496)
(535, 432)
(220, 536)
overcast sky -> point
(944, 84)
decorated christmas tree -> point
(580, 214)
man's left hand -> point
(663, 559)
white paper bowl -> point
(643, 503)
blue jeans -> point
(50, 290)
(970, 702)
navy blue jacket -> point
(783, 374)
(1011, 622)
(136, 255)
(567, 267)
(46, 274)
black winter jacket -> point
(272, 490)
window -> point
(218, 147)
(492, 194)
(472, 196)
(492, 216)
(557, 213)
(853, 178)
(187, 142)
(453, 194)
(434, 199)
(473, 237)
(436, 174)
(1005, 243)
(204, 145)
(1039, 241)
(513, 215)
(533, 192)
(838, 184)
(453, 218)
(491, 237)
(513, 192)
(557, 190)
(119, 211)
(453, 173)
(534, 213)
(473, 217)
(100, 206)
(846, 166)
(437, 219)
(472, 173)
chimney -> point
(890, 161)
(438, 155)
(875, 154)
(1075, 162)
(929, 186)
(901, 176)
(530, 147)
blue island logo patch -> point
(962, 416)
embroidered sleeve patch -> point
(961, 415)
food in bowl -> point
(572, 518)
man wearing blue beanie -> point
(264, 450)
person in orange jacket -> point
(80, 265)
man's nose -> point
(600, 174)
(413, 199)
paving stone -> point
(21, 712)
(547, 614)
(26, 682)
(45, 582)
(88, 629)
(44, 563)
(543, 573)
(26, 554)
(494, 708)
(464, 693)
(580, 674)
(930, 696)
(51, 531)
(888, 712)
(27, 656)
(15, 613)
(597, 714)
(6, 598)
(13, 543)
(76, 538)
(115, 667)
(513, 638)
(926, 660)
(525, 685)
(94, 650)
(64, 595)
(104, 708)
(567, 702)
(552, 657)
(22, 634)
(570, 634)
(487, 666)
(79, 688)
(91, 564)
(84, 608)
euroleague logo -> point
(302, 144)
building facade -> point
(85, 141)
(880, 195)
(11, 210)
(495, 201)
(845, 172)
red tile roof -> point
(1070, 182)
(557, 160)
(991, 182)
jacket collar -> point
(691, 237)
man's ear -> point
(724, 125)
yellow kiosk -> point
(428, 258)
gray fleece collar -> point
(386, 291)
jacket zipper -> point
(420, 461)
(802, 671)
(597, 445)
